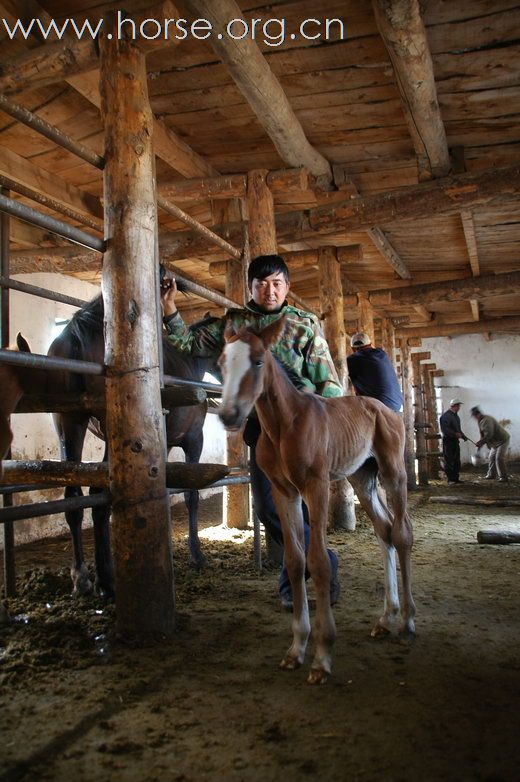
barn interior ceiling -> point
(396, 141)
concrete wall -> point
(34, 435)
(484, 373)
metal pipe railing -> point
(48, 223)
(50, 131)
(43, 293)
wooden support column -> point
(136, 442)
(388, 338)
(421, 422)
(365, 316)
(262, 241)
(342, 513)
(408, 413)
(236, 498)
(433, 464)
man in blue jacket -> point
(372, 373)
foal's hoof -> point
(290, 663)
(379, 631)
(317, 676)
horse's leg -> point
(192, 447)
(103, 553)
(393, 478)
(324, 629)
(290, 513)
(364, 482)
(71, 432)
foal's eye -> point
(258, 363)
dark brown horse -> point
(306, 440)
(83, 339)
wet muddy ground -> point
(212, 705)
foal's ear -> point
(229, 331)
(22, 344)
(272, 333)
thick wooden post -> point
(420, 419)
(136, 446)
(236, 498)
(432, 444)
(342, 514)
(388, 338)
(262, 241)
(408, 413)
(366, 316)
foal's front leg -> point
(291, 518)
(324, 632)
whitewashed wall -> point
(484, 373)
(34, 435)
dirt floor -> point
(213, 705)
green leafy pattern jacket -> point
(302, 348)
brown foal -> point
(306, 440)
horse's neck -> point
(277, 404)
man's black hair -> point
(264, 265)
(475, 411)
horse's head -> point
(242, 365)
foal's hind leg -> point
(364, 482)
(394, 480)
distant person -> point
(372, 373)
(451, 436)
(496, 438)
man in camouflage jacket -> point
(302, 351)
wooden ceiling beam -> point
(441, 196)
(455, 290)
(389, 253)
(471, 241)
(32, 176)
(55, 61)
(404, 35)
(280, 182)
(262, 90)
(471, 327)
(168, 146)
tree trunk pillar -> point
(366, 316)
(342, 514)
(408, 413)
(420, 421)
(135, 432)
(262, 241)
(236, 498)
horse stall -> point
(375, 147)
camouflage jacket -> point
(302, 348)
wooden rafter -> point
(262, 90)
(454, 290)
(470, 327)
(471, 241)
(404, 35)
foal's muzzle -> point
(231, 416)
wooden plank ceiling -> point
(353, 106)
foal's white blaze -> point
(238, 361)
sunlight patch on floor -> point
(223, 533)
